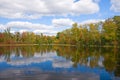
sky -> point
(52, 16)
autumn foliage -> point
(93, 34)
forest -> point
(105, 33)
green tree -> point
(7, 34)
(117, 21)
(75, 33)
(109, 30)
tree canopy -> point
(97, 34)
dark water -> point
(59, 63)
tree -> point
(75, 33)
(109, 30)
(1, 37)
(94, 34)
(117, 21)
(7, 34)
(17, 37)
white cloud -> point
(18, 26)
(85, 7)
(27, 25)
(2, 27)
(21, 31)
(92, 21)
(37, 8)
(56, 26)
(62, 22)
(115, 5)
(12, 32)
(46, 32)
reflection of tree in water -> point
(83, 56)
(117, 69)
(91, 57)
(6, 52)
(109, 59)
(24, 51)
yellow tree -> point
(109, 31)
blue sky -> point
(52, 16)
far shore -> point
(18, 44)
(54, 45)
(36, 44)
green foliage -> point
(117, 22)
(93, 34)
(97, 34)
(109, 31)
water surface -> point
(59, 63)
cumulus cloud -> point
(115, 5)
(92, 21)
(56, 26)
(46, 32)
(23, 30)
(27, 25)
(38, 8)
(62, 22)
(2, 27)
(19, 26)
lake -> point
(59, 63)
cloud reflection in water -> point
(57, 62)
(35, 74)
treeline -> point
(24, 38)
(99, 34)
(102, 33)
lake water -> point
(59, 63)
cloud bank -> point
(115, 5)
(19, 26)
(56, 26)
(37, 8)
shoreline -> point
(17, 45)
(2, 45)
